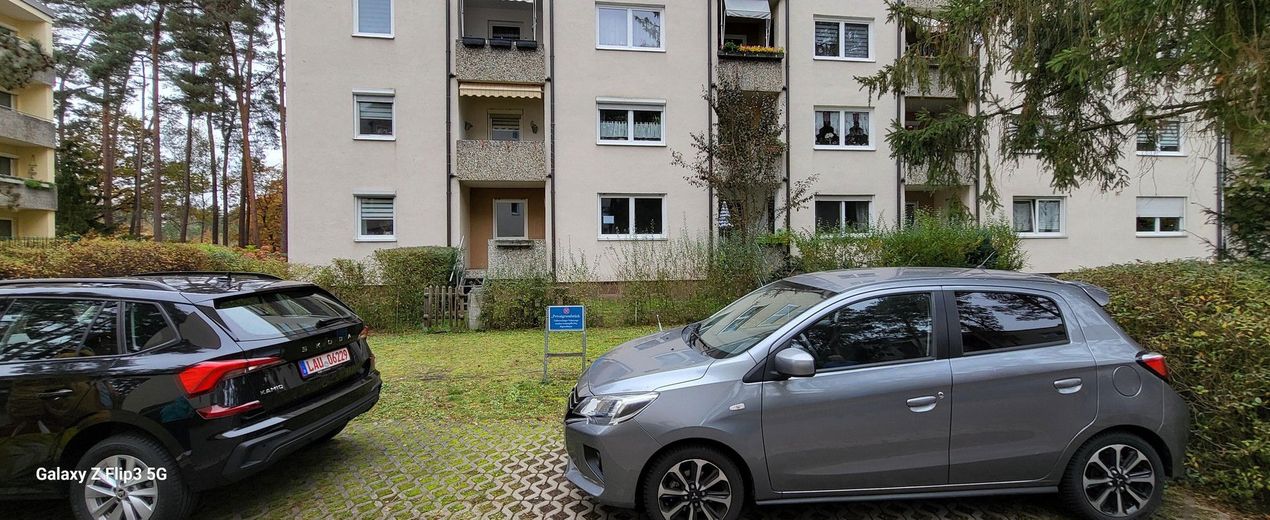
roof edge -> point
(39, 6)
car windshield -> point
(277, 314)
(748, 320)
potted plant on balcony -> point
(732, 49)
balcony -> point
(499, 61)
(484, 160)
(917, 177)
(937, 88)
(753, 71)
(16, 194)
(21, 129)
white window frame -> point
(1181, 142)
(392, 22)
(493, 113)
(489, 27)
(872, 58)
(390, 94)
(630, 106)
(357, 209)
(630, 28)
(599, 216)
(1062, 217)
(1181, 220)
(842, 211)
(524, 208)
(842, 121)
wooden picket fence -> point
(445, 307)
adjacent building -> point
(521, 129)
(28, 196)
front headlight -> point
(608, 410)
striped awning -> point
(507, 90)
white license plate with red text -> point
(324, 362)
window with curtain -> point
(843, 128)
(374, 115)
(374, 17)
(1036, 216)
(843, 39)
(628, 28)
(1160, 215)
(631, 125)
(1165, 137)
(376, 218)
(504, 127)
(632, 216)
(842, 215)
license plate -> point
(324, 362)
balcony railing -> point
(26, 130)
(937, 87)
(965, 163)
(500, 160)
(17, 194)
(755, 71)
(504, 61)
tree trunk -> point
(247, 230)
(156, 191)
(211, 150)
(189, 152)
(107, 162)
(282, 116)
(134, 228)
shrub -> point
(928, 241)
(1210, 321)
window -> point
(753, 317)
(1164, 138)
(844, 40)
(278, 314)
(8, 166)
(842, 215)
(634, 125)
(1038, 216)
(373, 18)
(6, 229)
(510, 219)
(41, 329)
(632, 217)
(843, 128)
(628, 28)
(6, 100)
(504, 127)
(877, 330)
(375, 218)
(1001, 320)
(1161, 215)
(504, 30)
(146, 327)
(374, 116)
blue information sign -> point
(566, 318)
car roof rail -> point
(228, 275)
(99, 282)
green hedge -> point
(928, 241)
(1211, 321)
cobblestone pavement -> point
(503, 470)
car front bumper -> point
(606, 461)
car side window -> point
(34, 329)
(1001, 320)
(877, 330)
(145, 327)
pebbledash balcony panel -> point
(755, 74)
(16, 195)
(25, 130)
(500, 160)
(488, 63)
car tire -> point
(693, 477)
(163, 493)
(1115, 476)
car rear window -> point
(279, 314)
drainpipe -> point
(449, 135)
(551, 175)
(789, 247)
(1222, 145)
(899, 116)
(710, 52)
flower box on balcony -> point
(731, 50)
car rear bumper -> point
(256, 446)
(606, 461)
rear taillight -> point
(1154, 361)
(203, 377)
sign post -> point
(563, 318)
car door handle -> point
(56, 394)
(1070, 385)
(925, 403)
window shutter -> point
(1161, 206)
(377, 208)
(374, 16)
(375, 108)
(1170, 137)
(855, 40)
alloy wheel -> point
(1118, 480)
(694, 489)
(121, 487)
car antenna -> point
(986, 259)
(659, 329)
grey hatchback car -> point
(881, 384)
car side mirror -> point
(795, 362)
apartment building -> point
(543, 129)
(28, 197)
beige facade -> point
(28, 197)
(408, 122)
